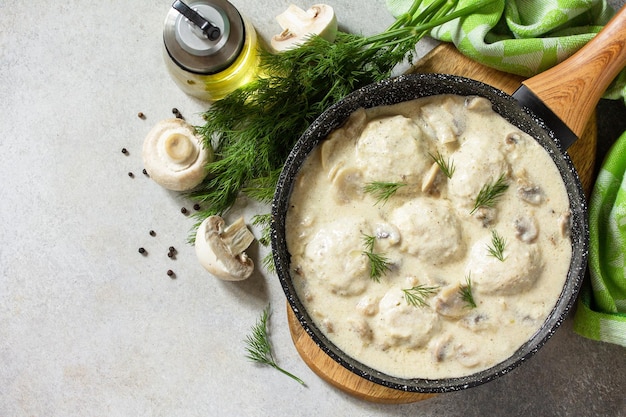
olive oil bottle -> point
(209, 48)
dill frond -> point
(263, 221)
(369, 241)
(417, 295)
(268, 262)
(379, 263)
(445, 165)
(262, 188)
(498, 244)
(465, 291)
(490, 193)
(259, 348)
(382, 191)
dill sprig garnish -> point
(382, 191)
(259, 348)
(379, 263)
(445, 165)
(465, 291)
(490, 193)
(498, 244)
(253, 129)
(416, 296)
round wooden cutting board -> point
(443, 59)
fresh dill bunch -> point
(381, 190)
(259, 348)
(417, 295)
(379, 263)
(268, 262)
(263, 221)
(445, 165)
(253, 129)
(465, 291)
(498, 244)
(262, 188)
(490, 193)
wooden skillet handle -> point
(573, 88)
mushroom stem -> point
(237, 237)
(179, 148)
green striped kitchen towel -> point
(601, 313)
(524, 37)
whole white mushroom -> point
(220, 248)
(174, 156)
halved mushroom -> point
(440, 347)
(361, 328)
(530, 193)
(298, 25)
(444, 120)
(486, 215)
(174, 156)
(565, 223)
(477, 103)
(526, 229)
(430, 177)
(220, 249)
(348, 184)
(449, 302)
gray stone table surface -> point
(89, 327)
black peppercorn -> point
(196, 207)
(142, 251)
(172, 249)
(177, 113)
(125, 151)
(130, 174)
(141, 115)
(183, 210)
(145, 172)
(170, 273)
(152, 233)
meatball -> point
(429, 230)
(517, 272)
(478, 163)
(402, 324)
(340, 242)
(392, 149)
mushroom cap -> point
(174, 156)
(217, 256)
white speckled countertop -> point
(89, 327)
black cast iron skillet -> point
(552, 107)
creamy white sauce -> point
(428, 237)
